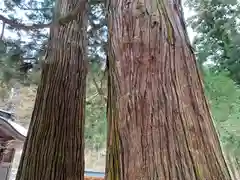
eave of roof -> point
(13, 129)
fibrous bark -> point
(54, 148)
(233, 165)
(160, 127)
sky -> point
(20, 13)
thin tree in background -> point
(160, 127)
(54, 149)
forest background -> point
(213, 26)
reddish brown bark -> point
(54, 149)
(160, 127)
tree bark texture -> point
(54, 148)
(160, 127)
(233, 165)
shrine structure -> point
(12, 136)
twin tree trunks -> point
(54, 148)
(160, 127)
(159, 124)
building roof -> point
(9, 127)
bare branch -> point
(25, 8)
(2, 33)
(62, 20)
(25, 27)
(99, 90)
(88, 100)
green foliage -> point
(218, 38)
(96, 124)
(224, 99)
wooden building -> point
(12, 136)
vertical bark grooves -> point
(160, 124)
(54, 148)
(233, 166)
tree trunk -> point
(54, 148)
(160, 127)
(233, 167)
